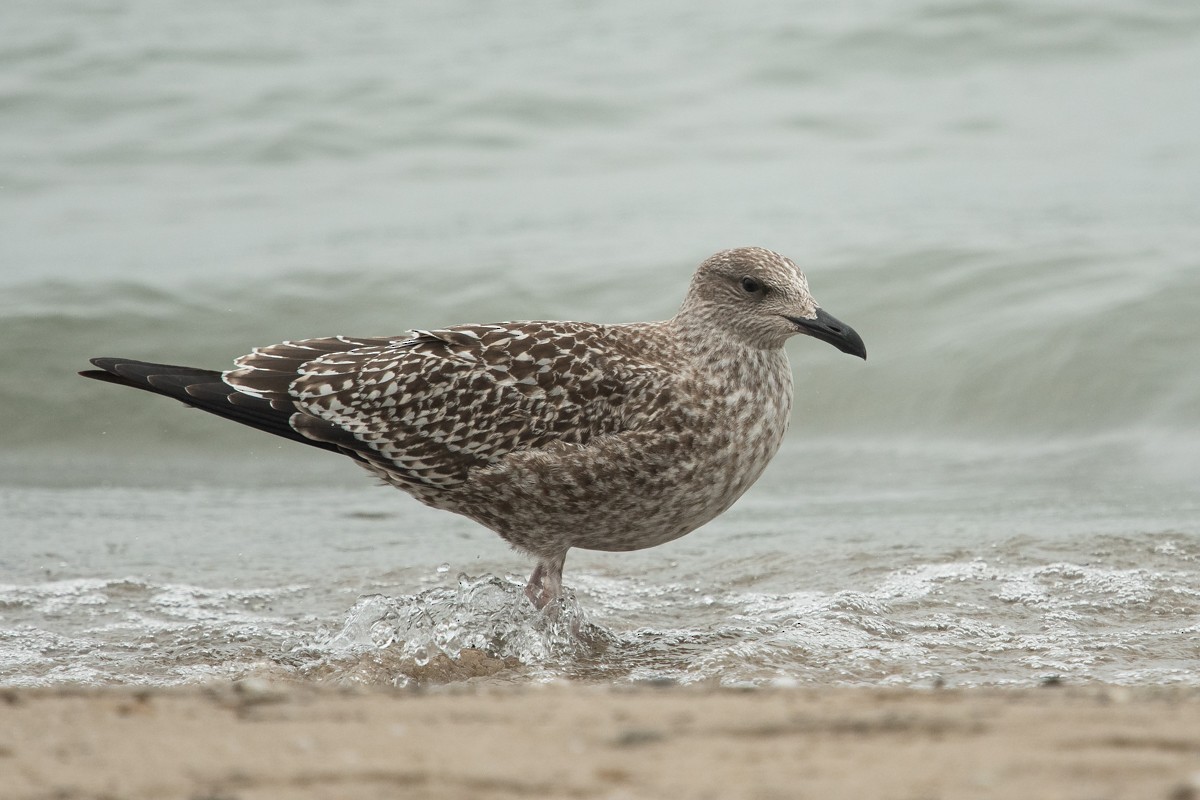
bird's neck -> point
(719, 354)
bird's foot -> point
(545, 584)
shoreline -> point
(254, 740)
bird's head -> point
(762, 298)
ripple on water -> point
(962, 622)
(1011, 619)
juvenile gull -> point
(553, 434)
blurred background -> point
(1003, 198)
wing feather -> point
(429, 407)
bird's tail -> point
(204, 389)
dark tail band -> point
(204, 389)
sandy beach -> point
(255, 740)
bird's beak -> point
(827, 328)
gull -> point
(552, 434)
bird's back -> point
(425, 410)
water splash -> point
(1127, 614)
(481, 626)
(961, 621)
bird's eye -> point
(751, 286)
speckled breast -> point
(643, 487)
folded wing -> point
(428, 408)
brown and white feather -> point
(553, 434)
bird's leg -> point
(545, 584)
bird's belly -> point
(658, 510)
(634, 491)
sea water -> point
(1000, 197)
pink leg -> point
(545, 584)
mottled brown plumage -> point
(553, 434)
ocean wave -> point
(961, 345)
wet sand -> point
(256, 740)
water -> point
(1000, 197)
